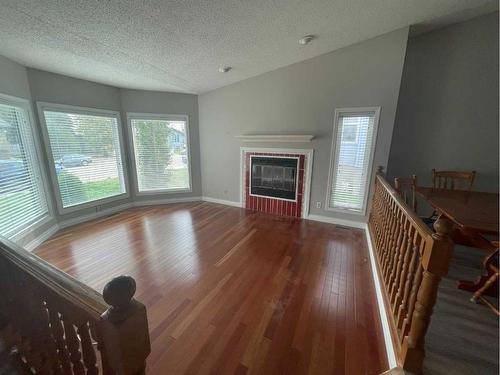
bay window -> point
(84, 147)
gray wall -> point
(448, 105)
(301, 98)
(13, 79)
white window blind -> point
(351, 160)
(86, 155)
(161, 154)
(22, 199)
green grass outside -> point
(94, 190)
(174, 178)
(102, 189)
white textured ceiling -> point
(178, 45)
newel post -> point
(435, 262)
(124, 328)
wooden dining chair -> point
(405, 187)
(453, 180)
(450, 180)
(489, 281)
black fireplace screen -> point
(274, 177)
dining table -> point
(474, 215)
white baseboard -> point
(389, 347)
(94, 215)
(334, 220)
(221, 201)
(34, 243)
(153, 202)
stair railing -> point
(58, 325)
(411, 259)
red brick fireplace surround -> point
(273, 205)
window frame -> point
(55, 107)
(25, 104)
(334, 160)
(157, 116)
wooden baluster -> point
(44, 339)
(398, 257)
(378, 221)
(380, 217)
(73, 345)
(124, 330)
(58, 334)
(435, 262)
(388, 234)
(388, 245)
(407, 274)
(403, 251)
(412, 298)
(30, 347)
(89, 358)
(393, 245)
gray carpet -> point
(462, 337)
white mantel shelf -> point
(276, 138)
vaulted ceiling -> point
(178, 45)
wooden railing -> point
(411, 259)
(58, 325)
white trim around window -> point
(157, 116)
(334, 159)
(38, 221)
(53, 107)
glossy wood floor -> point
(231, 291)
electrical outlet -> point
(318, 204)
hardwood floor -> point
(231, 291)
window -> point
(351, 159)
(85, 152)
(22, 199)
(350, 133)
(161, 152)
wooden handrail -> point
(411, 259)
(59, 325)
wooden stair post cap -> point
(119, 292)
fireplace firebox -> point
(274, 177)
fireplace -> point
(276, 181)
(274, 177)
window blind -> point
(22, 199)
(86, 156)
(161, 154)
(352, 152)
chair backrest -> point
(453, 180)
(405, 187)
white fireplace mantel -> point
(276, 138)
